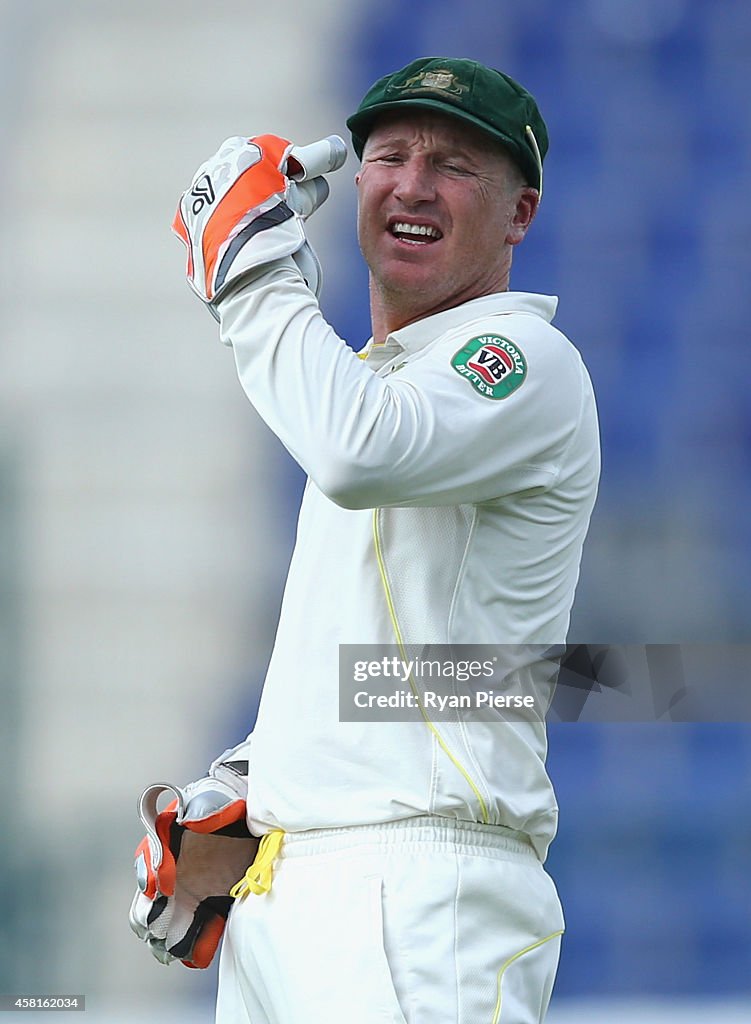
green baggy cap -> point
(470, 91)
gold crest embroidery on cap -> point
(438, 79)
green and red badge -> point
(492, 364)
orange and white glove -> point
(246, 208)
(194, 851)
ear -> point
(527, 203)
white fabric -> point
(414, 922)
(483, 508)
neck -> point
(391, 310)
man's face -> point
(439, 207)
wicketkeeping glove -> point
(194, 851)
(243, 210)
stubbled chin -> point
(415, 280)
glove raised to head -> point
(242, 211)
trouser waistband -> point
(424, 829)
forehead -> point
(431, 127)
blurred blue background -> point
(147, 516)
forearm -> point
(337, 418)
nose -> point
(415, 182)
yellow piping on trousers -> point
(403, 653)
(511, 959)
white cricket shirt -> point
(452, 474)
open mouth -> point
(415, 234)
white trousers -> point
(422, 921)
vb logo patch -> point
(492, 364)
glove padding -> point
(193, 853)
(242, 211)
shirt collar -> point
(419, 334)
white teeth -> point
(415, 229)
